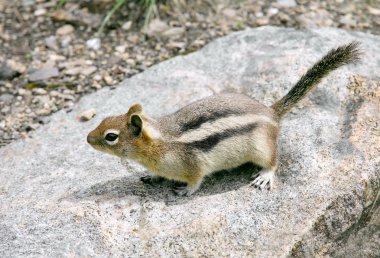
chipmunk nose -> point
(91, 139)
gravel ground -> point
(48, 60)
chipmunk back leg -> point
(265, 155)
(193, 181)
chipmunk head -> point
(122, 135)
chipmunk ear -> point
(136, 124)
(136, 108)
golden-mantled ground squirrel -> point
(220, 132)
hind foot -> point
(263, 179)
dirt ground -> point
(49, 58)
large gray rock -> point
(60, 197)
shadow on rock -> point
(219, 182)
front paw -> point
(151, 180)
(183, 190)
(146, 179)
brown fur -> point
(147, 152)
(272, 132)
(136, 108)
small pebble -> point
(43, 74)
(127, 25)
(54, 93)
(287, 3)
(89, 70)
(40, 12)
(74, 70)
(131, 62)
(94, 43)
(175, 33)
(272, 11)
(64, 30)
(262, 21)
(51, 42)
(120, 49)
(6, 97)
(373, 11)
(97, 77)
(22, 92)
(108, 79)
(87, 115)
(16, 66)
(40, 91)
(230, 13)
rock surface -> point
(58, 197)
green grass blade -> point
(150, 4)
(116, 7)
(61, 3)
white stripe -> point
(152, 132)
(207, 129)
(235, 151)
(150, 129)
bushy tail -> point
(334, 59)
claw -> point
(263, 180)
(146, 179)
(181, 192)
(255, 176)
(179, 187)
(185, 190)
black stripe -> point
(196, 123)
(210, 142)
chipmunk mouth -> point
(104, 149)
(96, 147)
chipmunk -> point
(219, 132)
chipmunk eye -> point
(111, 137)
